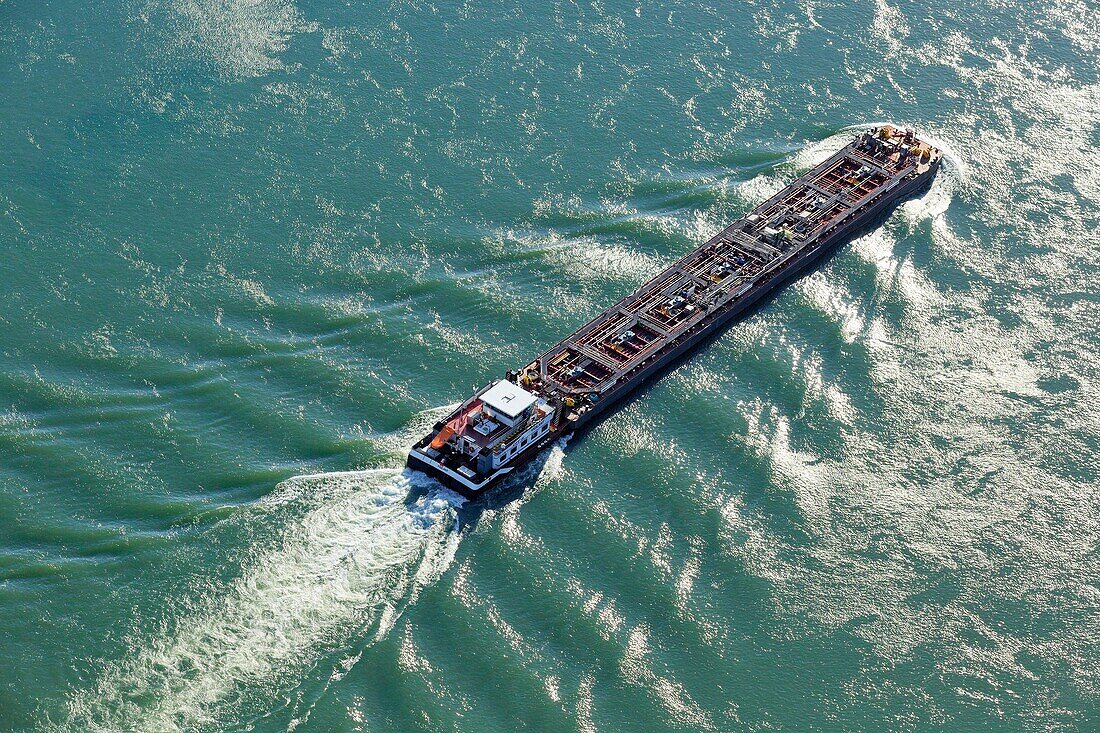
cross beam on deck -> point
(593, 355)
(831, 198)
(864, 159)
(648, 322)
(699, 282)
(739, 237)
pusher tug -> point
(508, 422)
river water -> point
(253, 248)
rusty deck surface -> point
(810, 211)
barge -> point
(509, 421)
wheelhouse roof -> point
(508, 399)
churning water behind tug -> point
(507, 422)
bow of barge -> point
(507, 422)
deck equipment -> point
(507, 422)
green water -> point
(252, 248)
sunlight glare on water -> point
(249, 242)
(354, 554)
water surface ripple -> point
(251, 247)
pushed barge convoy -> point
(509, 421)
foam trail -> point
(355, 558)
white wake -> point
(356, 557)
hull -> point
(575, 383)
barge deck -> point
(577, 379)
